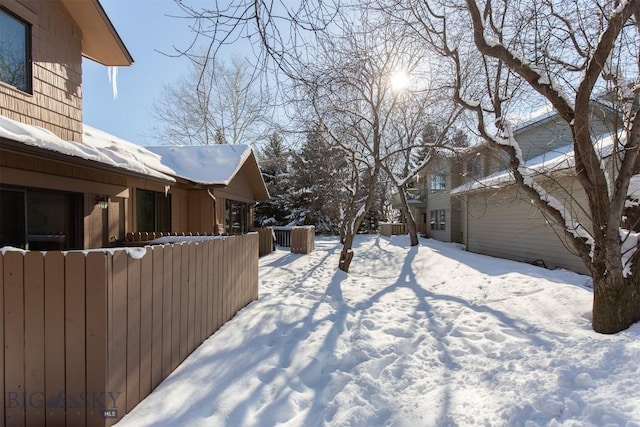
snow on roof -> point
(552, 161)
(97, 146)
(125, 154)
(204, 164)
(521, 121)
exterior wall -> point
(553, 133)
(56, 102)
(506, 224)
(438, 200)
(101, 227)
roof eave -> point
(19, 147)
(100, 40)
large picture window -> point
(15, 51)
(40, 220)
(153, 211)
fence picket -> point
(34, 338)
(146, 321)
(54, 342)
(133, 332)
(156, 317)
(96, 330)
(75, 343)
(14, 338)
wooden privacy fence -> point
(266, 240)
(300, 238)
(391, 229)
(88, 335)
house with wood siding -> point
(86, 332)
(437, 214)
(498, 219)
(467, 197)
(65, 185)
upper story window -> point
(438, 181)
(474, 168)
(15, 51)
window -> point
(438, 220)
(40, 220)
(153, 211)
(438, 181)
(236, 217)
(474, 168)
(15, 51)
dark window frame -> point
(69, 233)
(160, 210)
(233, 209)
(27, 61)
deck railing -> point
(88, 335)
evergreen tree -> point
(274, 160)
(318, 171)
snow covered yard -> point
(422, 336)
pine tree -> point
(274, 160)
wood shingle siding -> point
(56, 102)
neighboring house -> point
(470, 197)
(498, 219)
(437, 214)
(64, 185)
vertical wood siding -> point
(85, 333)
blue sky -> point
(146, 28)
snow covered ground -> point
(422, 336)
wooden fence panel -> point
(2, 419)
(146, 321)
(167, 311)
(54, 342)
(34, 338)
(97, 350)
(184, 306)
(75, 343)
(133, 333)
(199, 252)
(14, 338)
(117, 359)
(90, 335)
(192, 292)
(176, 306)
(156, 317)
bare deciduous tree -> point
(214, 103)
(566, 55)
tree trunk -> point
(408, 216)
(346, 255)
(616, 303)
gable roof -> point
(215, 165)
(100, 40)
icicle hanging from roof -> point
(112, 72)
